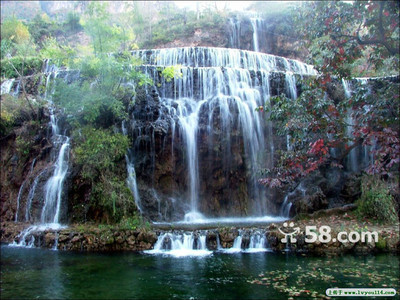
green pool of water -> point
(41, 273)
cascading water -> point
(286, 206)
(22, 189)
(6, 86)
(360, 156)
(243, 25)
(130, 169)
(53, 189)
(131, 181)
(186, 244)
(257, 24)
(30, 197)
(234, 38)
(258, 243)
(237, 245)
(180, 244)
(216, 98)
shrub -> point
(100, 155)
(14, 30)
(28, 65)
(14, 111)
(98, 150)
(376, 201)
(131, 223)
(72, 22)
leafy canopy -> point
(346, 38)
(322, 124)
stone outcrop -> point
(102, 238)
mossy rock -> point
(381, 244)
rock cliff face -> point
(199, 141)
(264, 35)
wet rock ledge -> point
(106, 238)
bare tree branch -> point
(22, 82)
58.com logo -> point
(323, 234)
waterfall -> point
(131, 181)
(258, 32)
(287, 204)
(257, 24)
(54, 185)
(53, 188)
(26, 238)
(360, 156)
(285, 208)
(188, 114)
(178, 245)
(6, 86)
(130, 169)
(258, 243)
(234, 38)
(21, 189)
(31, 194)
(237, 244)
(222, 57)
(216, 98)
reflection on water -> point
(39, 273)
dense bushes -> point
(14, 112)
(25, 65)
(100, 156)
(376, 201)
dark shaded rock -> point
(352, 188)
(311, 203)
(147, 237)
(227, 236)
(211, 240)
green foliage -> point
(15, 111)
(106, 35)
(345, 38)
(72, 22)
(99, 154)
(172, 72)
(132, 223)
(381, 244)
(14, 30)
(59, 54)
(376, 201)
(23, 146)
(98, 150)
(25, 65)
(41, 27)
(99, 98)
(7, 47)
(341, 37)
(317, 120)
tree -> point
(318, 121)
(16, 41)
(97, 25)
(340, 33)
(72, 22)
(41, 27)
(14, 30)
(59, 54)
